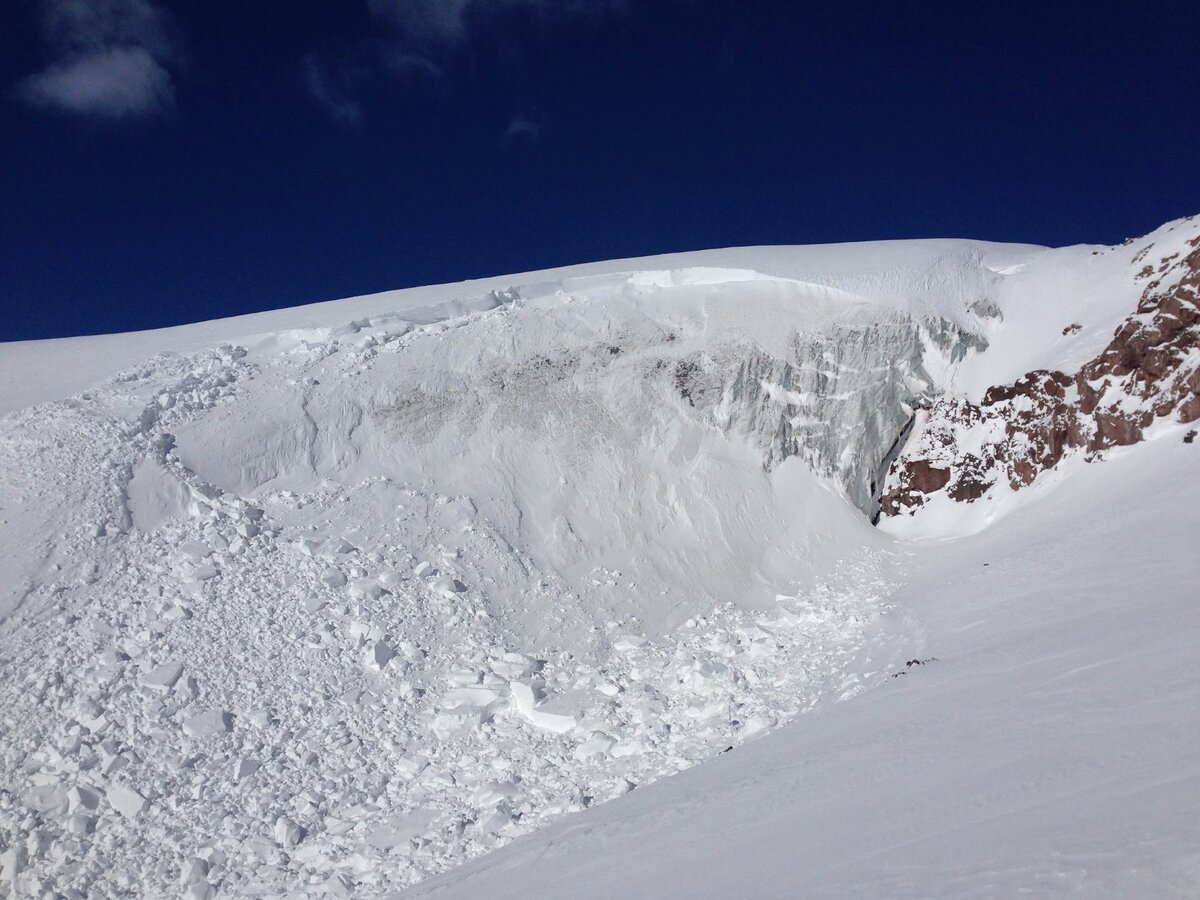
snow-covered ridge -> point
(341, 596)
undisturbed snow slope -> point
(331, 600)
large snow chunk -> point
(126, 800)
(83, 799)
(599, 744)
(549, 717)
(493, 793)
(208, 723)
(397, 830)
(366, 589)
(480, 695)
(155, 496)
(163, 678)
(450, 723)
(378, 655)
(287, 833)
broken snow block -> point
(599, 744)
(525, 695)
(450, 723)
(259, 718)
(111, 762)
(193, 869)
(208, 723)
(462, 677)
(390, 579)
(754, 725)
(339, 885)
(333, 578)
(365, 632)
(126, 800)
(337, 547)
(477, 695)
(83, 799)
(80, 826)
(409, 766)
(398, 829)
(287, 833)
(378, 655)
(314, 603)
(514, 665)
(94, 724)
(628, 643)
(493, 793)
(448, 587)
(195, 550)
(365, 589)
(112, 658)
(244, 768)
(187, 688)
(12, 863)
(496, 820)
(202, 572)
(164, 677)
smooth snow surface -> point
(328, 601)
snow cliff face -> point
(839, 400)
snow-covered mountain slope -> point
(330, 600)
(1045, 748)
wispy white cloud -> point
(111, 59)
(425, 21)
(335, 78)
(116, 83)
(422, 40)
(431, 22)
(523, 128)
(329, 88)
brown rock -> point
(926, 478)
(1144, 373)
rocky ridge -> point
(1149, 371)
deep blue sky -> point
(164, 162)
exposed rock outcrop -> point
(1149, 370)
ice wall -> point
(840, 398)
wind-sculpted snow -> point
(328, 608)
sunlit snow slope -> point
(326, 601)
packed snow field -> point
(327, 601)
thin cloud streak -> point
(322, 85)
(522, 128)
(433, 22)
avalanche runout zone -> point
(216, 694)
